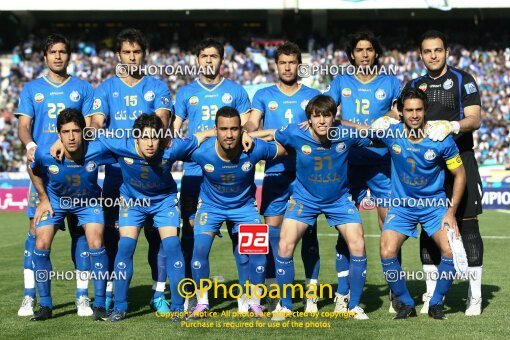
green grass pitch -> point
(493, 323)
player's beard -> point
(290, 82)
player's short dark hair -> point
(53, 39)
(131, 35)
(322, 105)
(355, 38)
(433, 34)
(148, 120)
(70, 116)
(288, 48)
(414, 93)
(210, 42)
(227, 112)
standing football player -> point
(454, 109)
(277, 106)
(41, 101)
(118, 102)
(363, 98)
(198, 103)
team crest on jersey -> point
(247, 166)
(209, 167)
(193, 100)
(165, 101)
(430, 155)
(149, 96)
(272, 105)
(227, 98)
(91, 166)
(97, 104)
(74, 96)
(448, 84)
(53, 169)
(39, 97)
(470, 88)
(306, 149)
(396, 149)
(346, 92)
(423, 87)
(115, 94)
(128, 160)
(380, 94)
(304, 103)
(340, 147)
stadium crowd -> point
(491, 69)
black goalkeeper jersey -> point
(448, 95)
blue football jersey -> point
(149, 180)
(122, 104)
(418, 168)
(278, 110)
(42, 100)
(66, 178)
(230, 184)
(321, 170)
(362, 103)
(198, 103)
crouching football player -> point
(149, 191)
(74, 177)
(418, 173)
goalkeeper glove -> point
(438, 130)
(383, 123)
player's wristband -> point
(456, 127)
(31, 145)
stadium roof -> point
(127, 5)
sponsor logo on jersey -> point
(74, 96)
(470, 88)
(97, 104)
(380, 94)
(128, 160)
(396, 149)
(53, 169)
(304, 103)
(430, 155)
(340, 147)
(306, 149)
(91, 166)
(39, 97)
(209, 167)
(346, 92)
(149, 96)
(227, 98)
(272, 105)
(193, 100)
(423, 87)
(448, 84)
(247, 166)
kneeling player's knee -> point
(95, 243)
